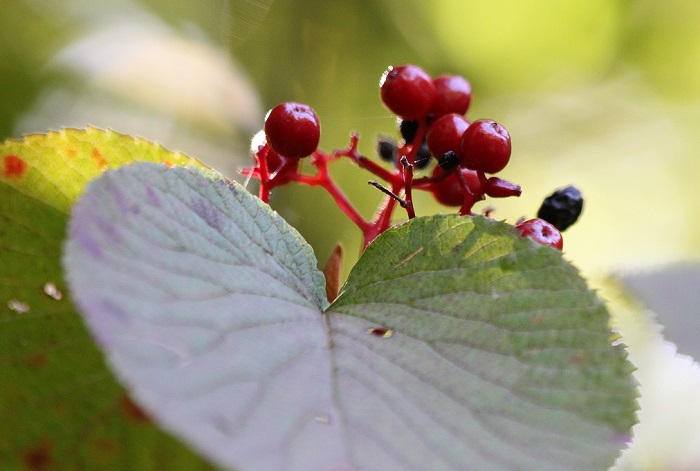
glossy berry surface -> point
(292, 130)
(562, 208)
(485, 146)
(499, 188)
(407, 90)
(423, 157)
(445, 133)
(279, 167)
(430, 116)
(453, 94)
(541, 232)
(449, 190)
(448, 160)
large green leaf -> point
(455, 344)
(60, 406)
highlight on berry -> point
(437, 150)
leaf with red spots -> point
(60, 408)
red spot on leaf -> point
(132, 411)
(106, 445)
(39, 457)
(72, 152)
(36, 360)
(168, 163)
(98, 158)
(380, 332)
(13, 167)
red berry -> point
(499, 188)
(292, 130)
(445, 133)
(541, 232)
(407, 90)
(449, 190)
(485, 146)
(453, 94)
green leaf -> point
(60, 405)
(454, 344)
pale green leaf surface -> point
(211, 308)
(61, 408)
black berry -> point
(408, 129)
(386, 148)
(562, 208)
(423, 156)
(448, 160)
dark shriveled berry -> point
(408, 129)
(562, 208)
(423, 156)
(407, 90)
(292, 130)
(386, 149)
(448, 160)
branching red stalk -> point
(399, 187)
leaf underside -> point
(454, 344)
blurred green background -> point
(602, 94)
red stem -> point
(323, 179)
(407, 184)
(264, 193)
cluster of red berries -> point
(432, 123)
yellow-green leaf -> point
(60, 406)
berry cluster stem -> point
(433, 125)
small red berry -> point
(449, 190)
(499, 188)
(541, 232)
(407, 90)
(292, 130)
(445, 133)
(453, 94)
(485, 146)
